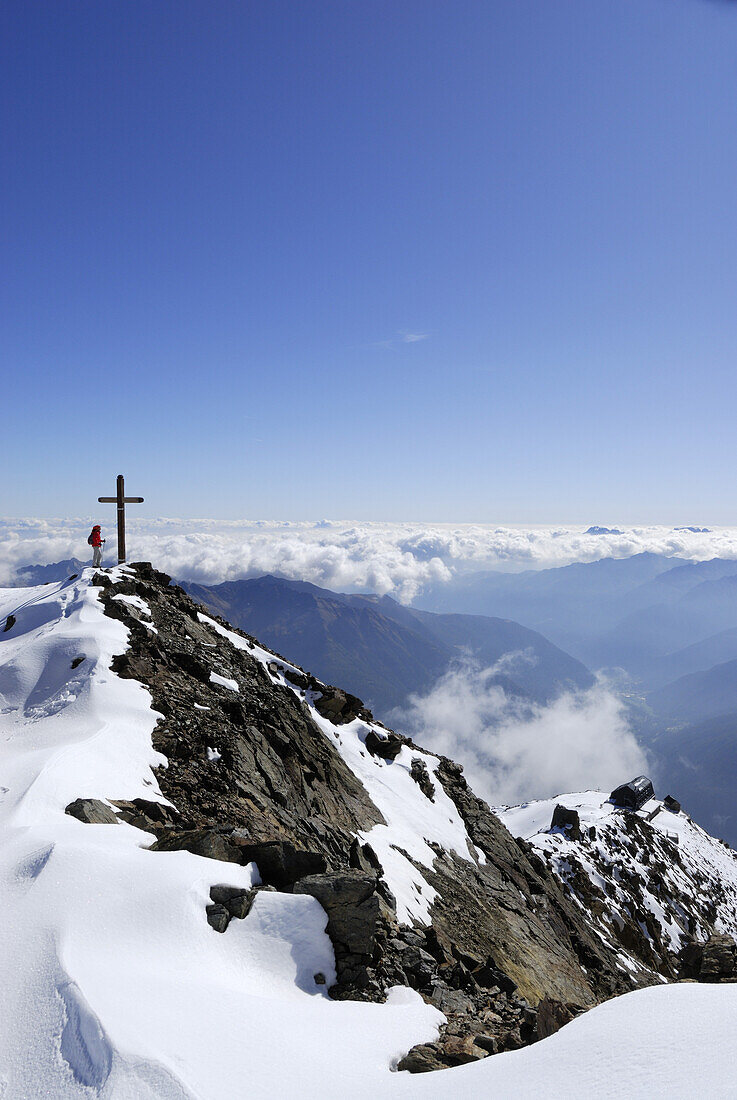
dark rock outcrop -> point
(218, 917)
(714, 960)
(421, 776)
(388, 748)
(146, 815)
(353, 907)
(563, 818)
(553, 1015)
(92, 811)
(339, 706)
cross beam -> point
(121, 500)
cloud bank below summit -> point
(514, 750)
(397, 559)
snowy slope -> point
(654, 872)
(111, 978)
(115, 986)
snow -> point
(115, 987)
(224, 681)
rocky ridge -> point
(651, 883)
(268, 765)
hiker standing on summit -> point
(96, 541)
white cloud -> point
(397, 559)
(514, 751)
(413, 337)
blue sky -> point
(224, 223)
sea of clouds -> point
(397, 559)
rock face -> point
(715, 960)
(254, 775)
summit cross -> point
(121, 500)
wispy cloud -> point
(402, 337)
(412, 337)
(513, 750)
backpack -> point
(89, 539)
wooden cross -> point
(121, 500)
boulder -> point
(338, 706)
(9, 623)
(672, 804)
(349, 898)
(689, 958)
(422, 1059)
(421, 776)
(235, 899)
(459, 1050)
(221, 894)
(563, 818)
(489, 1043)
(218, 917)
(714, 960)
(241, 905)
(297, 679)
(146, 815)
(388, 748)
(92, 811)
(211, 843)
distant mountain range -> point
(657, 617)
(381, 650)
(709, 694)
(698, 762)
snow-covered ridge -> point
(654, 872)
(114, 985)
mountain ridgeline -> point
(383, 651)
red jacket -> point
(96, 537)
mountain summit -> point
(222, 875)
